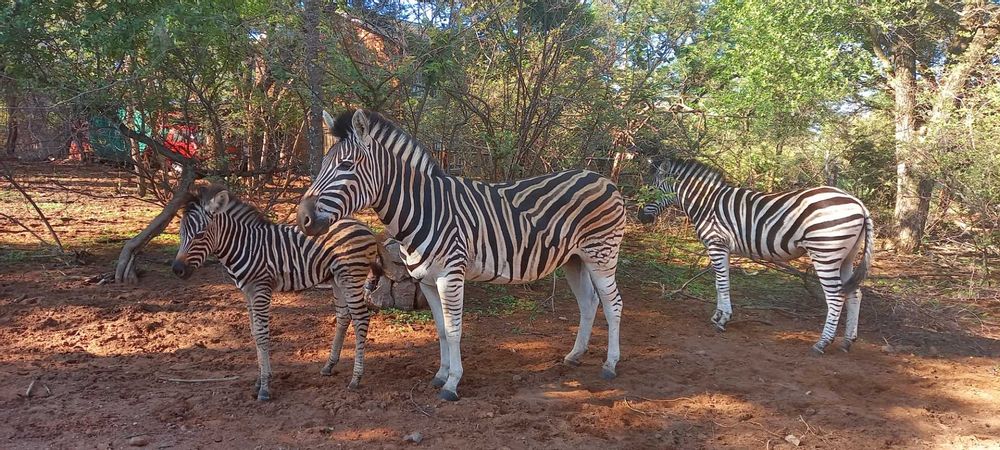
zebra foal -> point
(262, 257)
(454, 229)
(823, 222)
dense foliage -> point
(778, 93)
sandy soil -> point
(97, 355)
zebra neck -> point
(412, 196)
(698, 197)
(411, 202)
(236, 240)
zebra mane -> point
(342, 127)
(677, 166)
(378, 121)
(205, 193)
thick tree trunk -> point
(314, 81)
(125, 269)
(913, 188)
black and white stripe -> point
(824, 222)
(454, 229)
(263, 257)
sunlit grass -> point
(402, 317)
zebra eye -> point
(199, 234)
(346, 164)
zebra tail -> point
(861, 272)
(375, 270)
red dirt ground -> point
(98, 352)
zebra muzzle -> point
(645, 217)
(181, 269)
(309, 222)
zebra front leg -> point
(258, 306)
(343, 321)
(451, 290)
(719, 256)
(582, 286)
(611, 301)
(434, 301)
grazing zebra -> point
(824, 222)
(262, 257)
(454, 229)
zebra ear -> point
(359, 122)
(330, 123)
(218, 203)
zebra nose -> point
(645, 217)
(180, 269)
(308, 222)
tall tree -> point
(929, 53)
(314, 82)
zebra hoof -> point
(327, 370)
(263, 395)
(353, 385)
(817, 350)
(437, 382)
(450, 396)
(719, 328)
(608, 374)
(846, 346)
(571, 362)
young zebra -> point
(262, 257)
(824, 222)
(454, 229)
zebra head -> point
(346, 182)
(197, 229)
(663, 181)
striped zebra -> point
(262, 257)
(824, 222)
(454, 229)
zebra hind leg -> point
(851, 327)
(586, 297)
(360, 317)
(343, 320)
(853, 299)
(611, 301)
(834, 299)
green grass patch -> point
(402, 317)
(503, 305)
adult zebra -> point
(262, 257)
(824, 222)
(454, 229)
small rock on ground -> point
(138, 441)
(414, 437)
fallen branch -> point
(45, 220)
(27, 393)
(635, 409)
(415, 405)
(684, 286)
(125, 271)
(198, 380)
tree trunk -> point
(125, 269)
(314, 81)
(913, 188)
(11, 101)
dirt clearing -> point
(96, 356)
